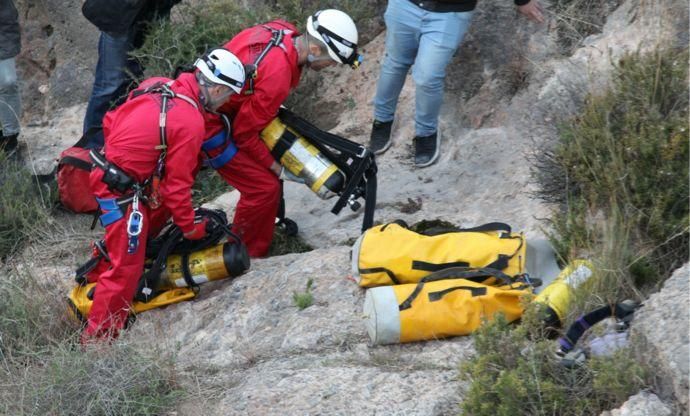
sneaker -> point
(380, 139)
(426, 150)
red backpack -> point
(74, 167)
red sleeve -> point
(257, 111)
(180, 166)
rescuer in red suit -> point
(330, 39)
(138, 186)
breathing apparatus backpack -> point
(328, 164)
(175, 267)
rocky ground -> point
(246, 346)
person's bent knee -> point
(428, 80)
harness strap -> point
(111, 211)
(223, 138)
(223, 158)
(251, 70)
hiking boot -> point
(426, 150)
(8, 145)
(380, 139)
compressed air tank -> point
(303, 159)
(214, 263)
(556, 296)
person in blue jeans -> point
(123, 28)
(425, 33)
(10, 104)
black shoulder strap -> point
(251, 70)
(76, 162)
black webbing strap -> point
(455, 273)
(76, 162)
(620, 310)
(151, 278)
(84, 269)
(354, 160)
(474, 291)
(187, 272)
(489, 226)
(434, 267)
(369, 196)
(287, 139)
(390, 274)
(252, 70)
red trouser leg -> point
(117, 285)
(259, 199)
(157, 219)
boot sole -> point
(436, 154)
(384, 148)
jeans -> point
(10, 104)
(428, 40)
(115, 74)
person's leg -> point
(259, 200)
(10, 104)
(111, 81)
(441, 35)
(403, 24)
(116, 286)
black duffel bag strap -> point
(489, 226)
(455, 273)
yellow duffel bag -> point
(392, 254)
(450, 303)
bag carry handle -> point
(489, 226)
(455, 273)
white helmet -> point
(222, 67)
(338, 32)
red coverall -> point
(131, 135)
(248, 171)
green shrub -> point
(24, 205)
(196, 28)
(304, 299)
(512, 375)
(623, 161)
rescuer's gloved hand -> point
(198, 232)
(286, 175)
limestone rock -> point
(660, 337)
(641, 404)
(247, 339)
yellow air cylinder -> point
(440, 309)
(303, 159)
(214, 263)
(556, 296)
